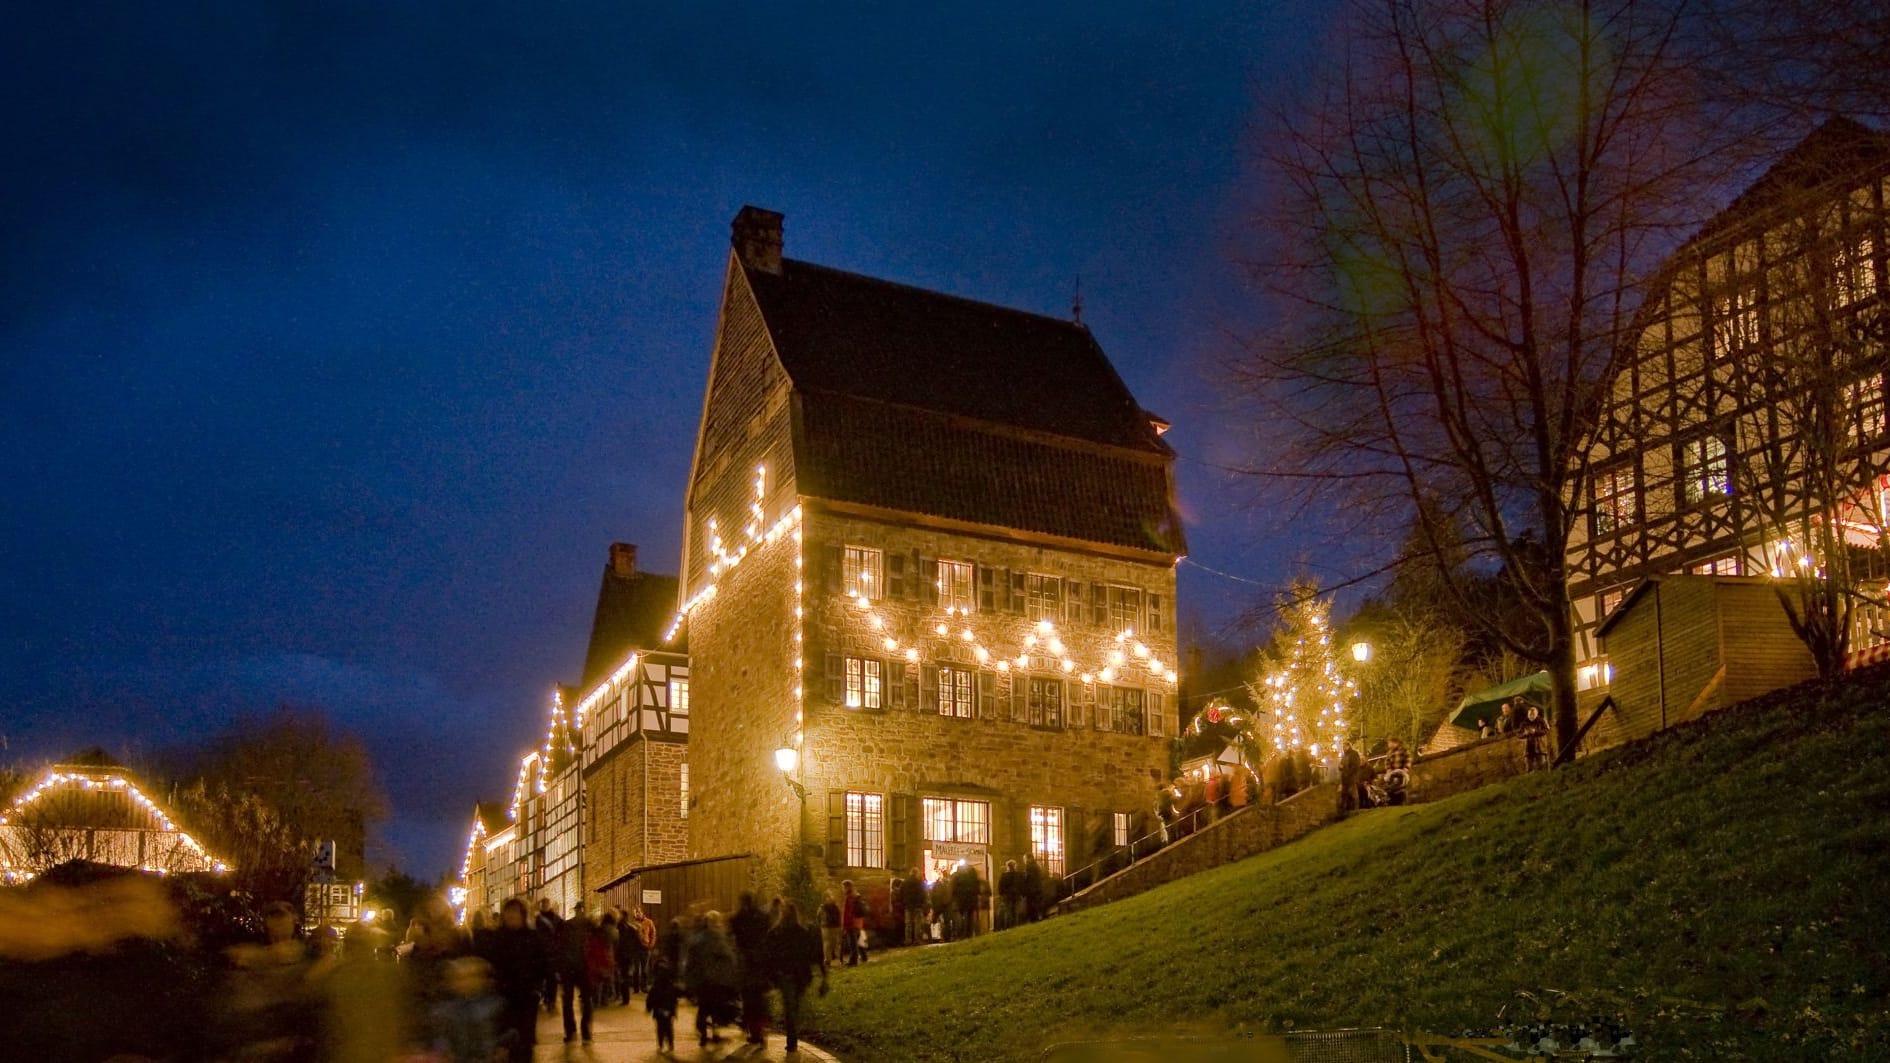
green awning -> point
(1480, 708)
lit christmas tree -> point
(1306, 690)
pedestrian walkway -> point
(625, 1034)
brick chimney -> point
(757, 239)
(623, 560)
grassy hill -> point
(1723, 888)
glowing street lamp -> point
(1361, 652)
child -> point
(662, 1001)
(466, 1024)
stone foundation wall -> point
(1466, 768)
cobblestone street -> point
(625, 1034)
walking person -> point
(574, 974)
(916, 901)
(1034, 884)
(550, 927)
(662, 1001)
(748, 927)
(793, 954)
(639, 937)
(1009, 893)
(519, 964)
(852, 924)
(942, 908)
(710, 973)
(1349, 765)
(830, 928)
(967, 891)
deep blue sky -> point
(338, 339)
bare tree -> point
(1462, 210)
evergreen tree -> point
(1303, 686)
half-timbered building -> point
(1752, 408)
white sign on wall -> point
(652, 896)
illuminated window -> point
(1856, 271)
(1125, 609)
(865, 686)
(957, 692)
(1704, 471)
(1046, 838)
(866, 830)
(864, 572)
(1735, 322)
(1617, 503)
(679, 696)
(1119, 829)
(683, 789)
(1596, 673)
(1126, 709)
(1043, 703)
(951, 820)
(1043, 597)
(1864, 399)
(1724, 565)
(954, 585)
(1610, 600)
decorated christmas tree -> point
(1304, 688)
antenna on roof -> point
(1076, 301)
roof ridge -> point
(936, 294)
(1002, 428)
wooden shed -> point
(667, 891)
(1683, 645)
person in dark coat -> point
(793, 955)
(749, 929)
(1397, 777)
(915, 903)
(574, 974)
(1034, 885)
(550, 927)
(1535, 733)
(1349, 764)
(711, 974)
(1010, 892)
(663, 1000)
(967, 891)
(519, 964)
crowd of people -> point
(1523, 720)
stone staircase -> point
(1257, 828)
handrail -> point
(1581, 732)
(1133, 847)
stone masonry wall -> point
(1466, 768)
(1250, 831)
(635, 810)
(909, 751)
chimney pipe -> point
(623, 559)
(756, 236)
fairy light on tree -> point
(1305, 689)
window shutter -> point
(1156, 622)
(987, 696)
(1099, 603)
(832, 568)
(896, 685)
(1076, 848)
(836, 674)
(928, 688)
(901, 816)
(836, 828)
(1017, 596)
(915, 573)
(1020, 830)
(911, 684)
(987, 589)
(928, 580)
(1157, 715)
(1007, 698)
(896, 575)
(1072, 602)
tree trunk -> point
(1562, 684)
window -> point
(957, 692)
(679, 696)
(1864, 399)
(1609, 600)
(1046, 838)
(866, 830)
(1616, 501)
(1125, 609)
(951, 820)
(1043, 597)
(864, 572)
(1735, 322)
(1119, 829)
(683, 790)
(1125, 708)
(954, 586)
(1856, 271)
(1043, 703)
(865, 688)
(1704, 472)
(1725, 565)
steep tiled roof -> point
(632, 613)
(927, 403)
(1838, 149)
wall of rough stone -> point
(1236, 836)
(634, 798)
(1465, 768)
(911, 751)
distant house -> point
(89, 808)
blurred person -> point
(465, 1022)
(1010, 893)
(792, 954)
(915, 903)
(271, 1009)
(852, 924)
(830, 928)
(967, 892)
(550, 927)
(748, 928)
(710, 974)
(364, 1015)
(516, 953)
(662, 1001)
(574, 974)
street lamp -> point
(1361, 652)
(787, 759)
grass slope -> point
(1722, 888)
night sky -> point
(337, 340)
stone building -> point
(606, 791)
(929, 579)
(1745, 433)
